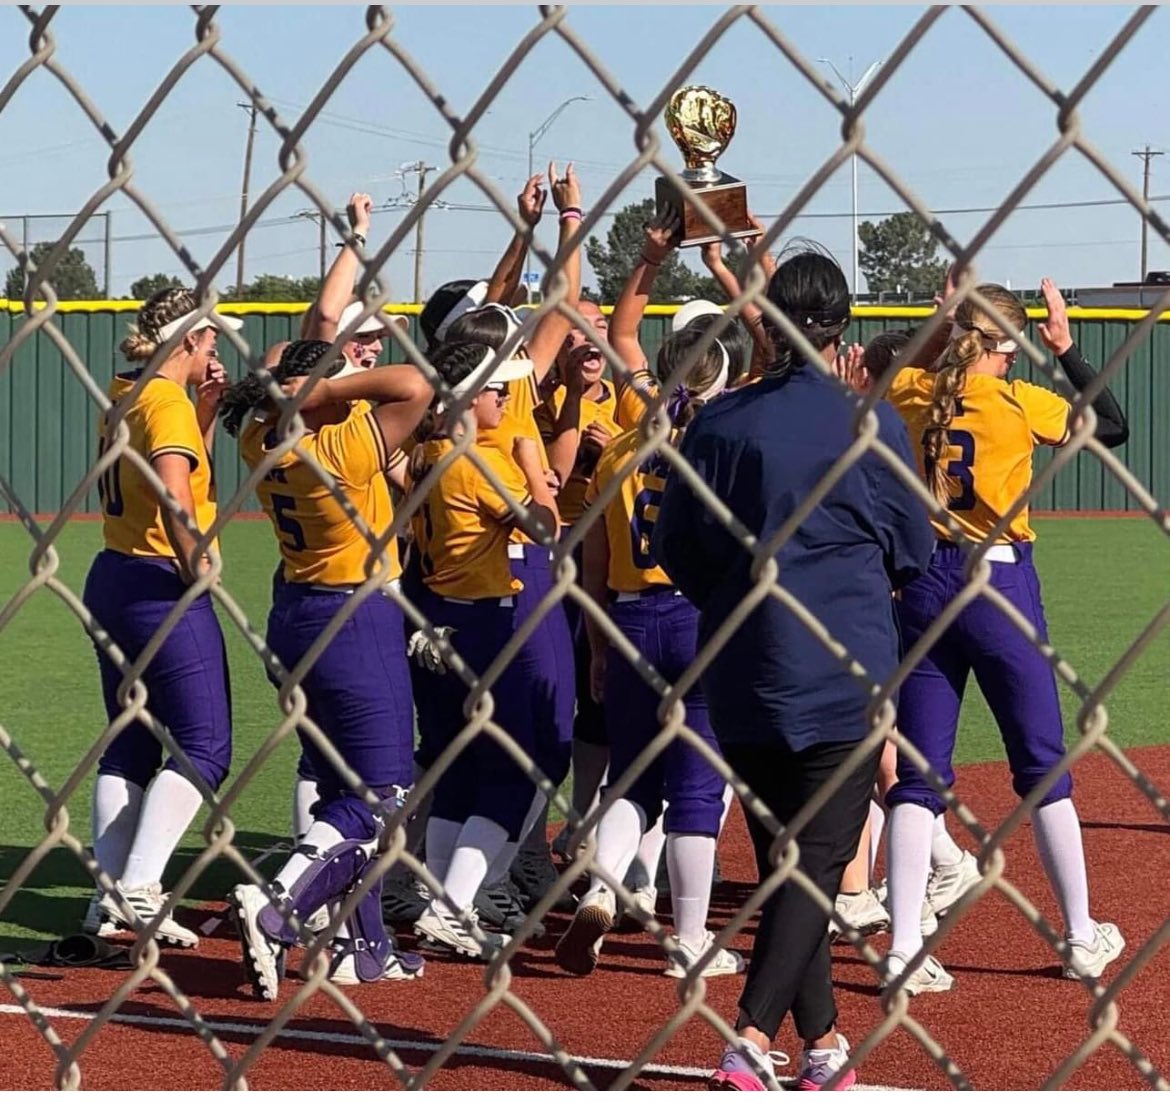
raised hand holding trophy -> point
(702, 123)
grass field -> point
(1103, 581)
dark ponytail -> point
(810, 290)
(298, 358)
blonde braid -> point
(162, 307)
(949, 381)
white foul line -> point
(682, 1072)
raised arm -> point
(1056, 333)
(505, 280)
(752, 315)
(399, 393)
(324, 317)
(661, 234)
(553, 328)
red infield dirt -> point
(1007, 1025)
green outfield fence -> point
(48, 430)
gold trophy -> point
(702, 123)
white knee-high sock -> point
(478, 844)
(116, 807)
(908, 857)
(691, 861)
(442, 835)
(1058, 839)
(944, 851)
(644, 868)
(507, 855)
(618, 835)
(168, 807)
(304, 797)
(877, 823)
(321, 835)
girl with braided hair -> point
(620, 572)
(358, 688)
(786, 712)
(462, 533)
(139, 811)
(975, 434)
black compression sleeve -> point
(1112, 427)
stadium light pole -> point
(534, 136)
(854, 90)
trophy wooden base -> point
(727, 199)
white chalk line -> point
(682, 1072)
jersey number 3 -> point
(282, 505)
(960, 469)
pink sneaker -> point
(744, 1067)
(819, 1066)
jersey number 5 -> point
(282, 505)
(960, 469)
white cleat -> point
(930, 976)
(947, 884)
(441, 932)
(146, 902)
(1090, 959)
(580, 946)
(725, 963)
(263, 959)
(343, 972)
(862, 911)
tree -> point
(899, 253)
(615, 260)
(276, 289)
(72, 278)
(145, 286)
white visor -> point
(688, 312)
(473, 297)
(375, 323)
(720, 383)
(505, 372)
(219, 321)
(1007, 345)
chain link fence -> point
(220, 827)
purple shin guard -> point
(329, 877)
(372, 946)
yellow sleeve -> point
(509, 475)
(1046, 411)
(903, 384)
(171, 426)
(353, 450)
(633, 394)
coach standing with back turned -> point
(786, 712)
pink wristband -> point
(570, 216)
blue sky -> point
(957, 122)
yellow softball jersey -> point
(161, 421)
(995, 430)
(630, 514)
(571, 499)
(319, 542)
(461, 530)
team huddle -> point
(556, 445)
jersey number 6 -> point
(960, 469)
(642, 528)
(282, 505)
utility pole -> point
(854, 90)
(108, 256)
(420, 168)
(1147, 155)
(244, 190)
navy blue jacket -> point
(761, 449)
